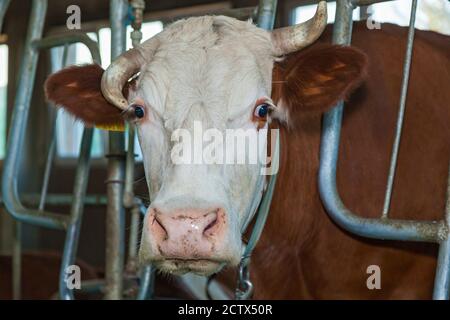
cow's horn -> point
(294, 38)
(122, 69)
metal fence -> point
(384, 227)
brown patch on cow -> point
(312, 91)
(77, 90)
(315, 79)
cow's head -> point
(217, 72)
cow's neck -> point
(296, 218)
(292, 220)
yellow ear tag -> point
(111, 127)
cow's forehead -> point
(207, 67)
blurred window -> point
(431, 14)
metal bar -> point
(367, 2)
(4, 4)
(266, 14)
(73, 229)
(442, 279)
(429, 231)
(17, 261)
(147, 276)
(401, 111)
(52, 147)
(147, 282)
(264, 206)
(115, 217)
(20, 114)
(75, 37)
(133, 238)
(62, 199)
(343, 25)
(19, 118)
(48, 167)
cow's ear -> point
(315, 79)
(77, 90)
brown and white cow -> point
(214, 71)
(302, 254)
(219, 71)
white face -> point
(212, 72)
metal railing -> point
(11, 198)
(3, 7)
(383, 227)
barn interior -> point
(47, 174)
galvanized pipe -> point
(442, 279)
(4, 4)
(73, 229)
(73, 37)
(52, 147)
(401, 111)
(82, 171)
(115, 216)
(18, 125)
(48, 167)
(61, 199)
(147, 283)
(266, 13)
(34, 43)
(429, 231)
(367, 2)
(133, 240)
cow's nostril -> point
(159, 228)
(211, 226)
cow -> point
(229, 74)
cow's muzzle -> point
(187, 240)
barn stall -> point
(74, 196)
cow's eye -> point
(138, 111)
(261, 110)
(135, 112)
